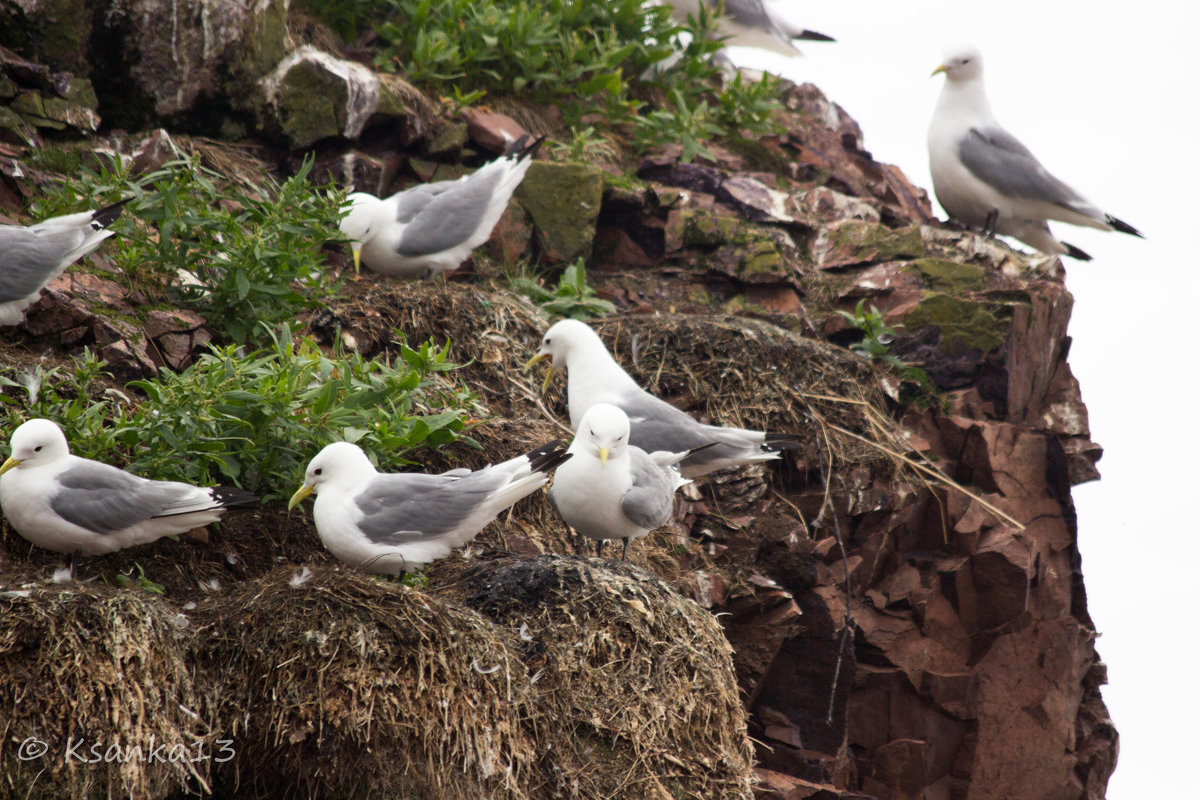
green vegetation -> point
(877, 336)
(586, 58)
(253, 421)
(244, 257)
(571, 297)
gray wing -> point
(410, 202)
(29, 259)
(103, 499)
(451, 216)
(651, 499)
(999, 159)
(750, 13)
(656, 425)
(402, 508)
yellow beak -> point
(603, 457)
(549, 372)
(301, 493)
(356, 249)
(941, 68)
(12, 463)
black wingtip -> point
(547, 457)
(1123, 227)
(519, 150)
(782, 441)
(230, 497)
(814, 36)
(1075, 252)
(103, 217)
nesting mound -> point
(98, 678)
(336, 685)
(635, 690)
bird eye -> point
(37, 449)
(593, 433)
(547, 340)
(317, 471)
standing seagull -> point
(433, 227)
(612, 489)
(389, 523)
(594, 377)
(748, 23)
(985, 178)
(31, 257)
(70, 504)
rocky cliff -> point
(894, 611)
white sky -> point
(1106, 96)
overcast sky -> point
(1107, 101)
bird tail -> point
(811, 36)
(103, 217)
(1123, 227)
(230, 497)
(1075, 252)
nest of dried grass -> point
(339, 685)
(634, 691)
(83, 667)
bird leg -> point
(624, 548)
(599, 547)
(989, 224)
(73, 561)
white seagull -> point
(389, 523)
(31, 257)
(433, 227)
(70, 504)
(612, 489)
(594, 377)
(985, 178)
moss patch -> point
(564, 201)
(965, 325)
(951, 276)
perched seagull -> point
(749, 23)
(612, 489)
(594, 377)
(985, 178)
(390, 523)
(31, 257)
(70, 504)
(433, 227)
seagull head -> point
(603, 433)
(340, 465)
(564, 338)
(961, 63)
(361, 221)
(34, 443)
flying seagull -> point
(594, 377)
(433, 227)
(985, 178)
(32, 256)
(390, 523)
(70, 504)
(612, 489)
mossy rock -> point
(856, 242)
(965, 324)
(951, 276)
(563, 200)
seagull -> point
(75, 505)
(31, 257)
(594, 377)
(612, 489)
(749, 23)
(389, 523)
(985, 178)
(433, 227)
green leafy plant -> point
(877, 336)
(254, 420)
(570, 297)
(240, 255)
